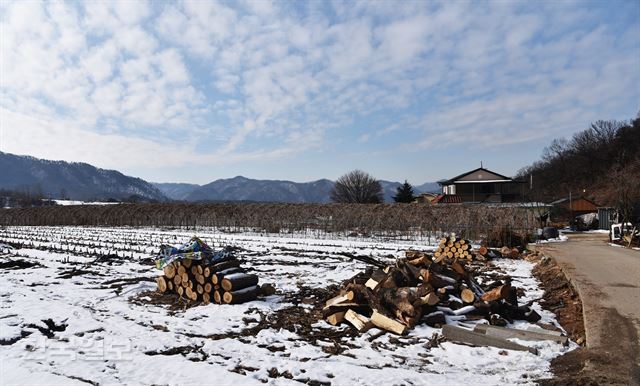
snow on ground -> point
(72, 318)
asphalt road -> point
(608, 281)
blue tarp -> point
(194, 249)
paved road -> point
(608, 280)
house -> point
(575, 206)
(425, 198)
(481, 186)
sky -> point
(303, 90)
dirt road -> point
(608, 280)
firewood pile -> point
(195, 273)
(425, 288)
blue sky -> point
(196, 91)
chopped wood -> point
(186, 263)
(501, 292)
(385, 323)
(371, 284)
(360, 322)
(335, 300)
(336, 318)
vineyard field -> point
(79, 306)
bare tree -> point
(357, 187)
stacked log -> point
(424, 289)
(453, 247)
(222, 282)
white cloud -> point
(262, 79)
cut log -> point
(243, 295)
(177, 280)
(497, 293)
(336, 300)
(335, 319)
(217, 277)
(343, 307)
(200, 270)
(461, 335)
(267, 289)
(162, 284)
(180, 290)
(199, 289)
(187, 263)
(181, 270)
(169, 271)
(435, 319)
(217, 297)
(200, 278)
(185, 278)
(430, 299)
(467, 296)
(371, 284)
(194, 270)
(206, 272)
(188, 292)
(360, 322)
(206, 298)
(436, 280)
(385, 323)
(225, 265)
(170, 285)
(207, 288)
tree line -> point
(601, 162)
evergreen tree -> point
(404, 193)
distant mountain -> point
(428, 187)
(176, 191)
(246, 189)
(77, 181)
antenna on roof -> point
(481, 165)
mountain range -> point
(81, 181)
(73, 180)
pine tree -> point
(404, 193)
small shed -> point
(606, 217)
(576, 205)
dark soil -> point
(561, 298)
(18, 264)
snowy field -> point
(77, 310)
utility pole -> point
(570, 209)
